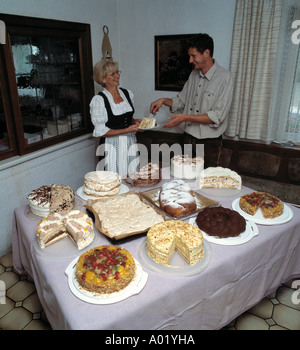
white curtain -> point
(253, 60)
(285, 85)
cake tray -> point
(222, 193)
(149, 129)
(250, 232)
(134, 287)
(177, 267)
(63, 249)
(258, 218)
(201, 202)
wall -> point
(141, 20)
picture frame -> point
(172, 67)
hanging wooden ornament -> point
(106, 47)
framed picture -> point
(172, 67)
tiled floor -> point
(22, 308)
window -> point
(47, 83)
(284, 126)
(293, 122)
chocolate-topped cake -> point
(221, 222)
(49, 199)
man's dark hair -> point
(202, 42)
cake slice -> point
(147, 123)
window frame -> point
(27, 26)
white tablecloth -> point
(236, 278)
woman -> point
(112, 115)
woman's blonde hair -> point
(102, 68)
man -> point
(204, 101)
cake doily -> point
(134, 287)
(250, 232)
(177, 266)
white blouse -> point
(99, 114)
(122, 150)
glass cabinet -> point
(49, 82)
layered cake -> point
(49, 199)
(165, 237)
(218, 177)
(270, 206)
(221, 222)
(101, 183)
(184, 167)
(105, 269)
(76, 225)
(176, 198)
(147, 123)
(148, 175)
(122, 215)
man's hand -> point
(155, 106)
(176, 119)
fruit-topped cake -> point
(270, 206)
(105, 269)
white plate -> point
(178, 266)
(80, 192)
(147, 129)
(221, 192)
(63, 249)
(246, 236)
(135, 286)
(258, 217)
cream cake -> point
(163, 238)
(105, 269)
(76, 225)
(176, 198)
(218, 177)
(101, 183)
(147, 123)
(184, 167)
(123, 214)
(148, 175)
(49, 199)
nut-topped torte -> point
(163, 238)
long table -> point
(236, 278)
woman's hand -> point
(134, 128)
(136, 121)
